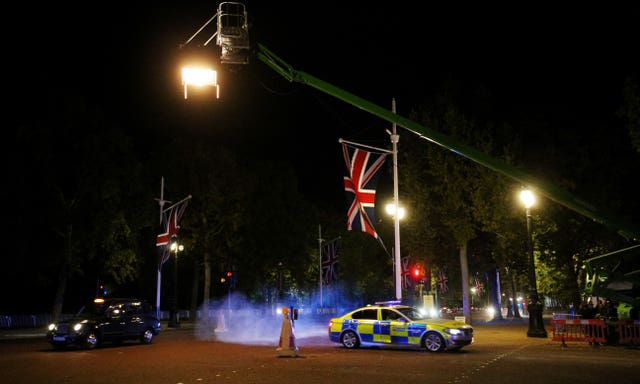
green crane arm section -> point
(551, 192)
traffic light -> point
(229, 278)
(419, 274)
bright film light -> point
(199, 77)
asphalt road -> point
(501, 353)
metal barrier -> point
(629, 332)
(592, 331)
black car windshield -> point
(97, 309)
(411, 313)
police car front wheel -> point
(350, 340)
(434, 342)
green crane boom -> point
(556, 194)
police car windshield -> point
(411, 313)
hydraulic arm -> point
(546, 189)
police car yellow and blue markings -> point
(380, 331)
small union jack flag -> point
(442, 281)
(406, 273)
(479, 285)
(360, 184)
(170, 228)
(329, 260)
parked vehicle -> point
(106, 320)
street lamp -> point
(391, 209)
(536, 326)
(174, 322)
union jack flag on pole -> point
(442, 281)
(170, 227)
(406, 273)
(479, 285)
(329, 260)
(360, 184)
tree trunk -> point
(514, 300)
(494, 281)
(464, 268)
(194, 289)
(207, 282)
(58, 301)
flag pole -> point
(161, 202)
(396, 217)
(178, 203)
(320, 262)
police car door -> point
(389, 327)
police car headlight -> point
(453, 331)
(77, 327)
(52, 326)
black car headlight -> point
(77, 327)
(53, 326)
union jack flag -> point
(329, 260)
(170, 227)
(442, 281)
(406, 273)
(479, 285)
(360, 184)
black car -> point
(106, 320)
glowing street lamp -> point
(391, 210)
(536, 326)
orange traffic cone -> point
(287, 345)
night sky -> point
(123, 58)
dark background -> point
(566, 64)
(123, 57)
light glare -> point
(199, 77)
(391, 210)
(527, 198)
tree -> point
(83, 168)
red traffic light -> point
(416, 272)
(229, 274)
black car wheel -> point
(146, 337)
(433, 342)
(91, 340)
(350, 340)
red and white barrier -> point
(629, 332)
(592, 331)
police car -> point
(393, 324)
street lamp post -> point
(534, 307)
(397, 213)
(174, 322)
